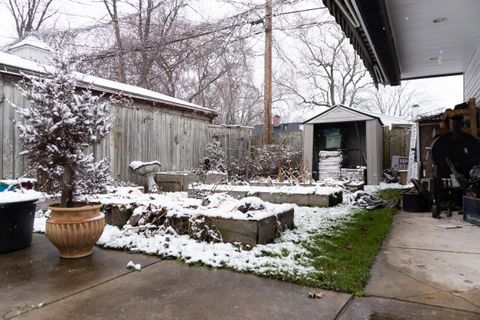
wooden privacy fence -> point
(235, 139)
(140, 132)
(292, 138)
(396, 142)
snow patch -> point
(137, 164)
(20, 196)
(286, 255)
(134, 266)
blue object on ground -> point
(471, 210)
(6, 187)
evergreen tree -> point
(215, 158)
(60, 123)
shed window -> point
(333, 138)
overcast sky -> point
(437, 93)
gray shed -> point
(357, 134)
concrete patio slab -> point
(100, 287)
(386, 309)
(37, 275)
(169, 290)
(424, 271)
(424, 261)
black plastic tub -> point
(414, 202)
(16, 225)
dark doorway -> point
(349, 137)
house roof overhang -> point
(409, 39)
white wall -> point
(374, 132)
(308, 146)
(471, 78)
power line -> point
(298, 11)
(187, 36)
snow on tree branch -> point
(59, 124)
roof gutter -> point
(15, 71)
(367, 24)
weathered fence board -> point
(396, 142)
(140, 132)
(293, 139)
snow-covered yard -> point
(285, 258)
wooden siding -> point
(471, 77)
(140, 132)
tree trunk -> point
(67, 190)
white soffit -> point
(426, 48)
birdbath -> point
(147, 169)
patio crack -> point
(433, 287)
(434, 250)
(453, 293)
(344, 308)
(423, 304)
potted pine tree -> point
(59, 124)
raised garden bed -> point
(313, 196)
(250, 232)
(216, 217)
(253, 232)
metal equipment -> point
(454, 154)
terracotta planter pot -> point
(74, 231)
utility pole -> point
(267, 89)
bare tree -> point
(158, 48)
(112, 8)
(29, 15)
(395, 101)
(324, 70)
(228, 86)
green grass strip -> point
(343, 255)
(390, 194)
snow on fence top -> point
(101, 84)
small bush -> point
(266, 161)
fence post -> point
(386, 148)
